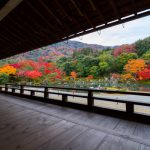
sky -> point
(117, 35)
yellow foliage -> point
(8, 70)
(127, 76)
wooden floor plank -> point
(29, 125)
(40, 137)
(88, 141)
(142, 130)
(127, 127)
(117, 143)
(61, 140)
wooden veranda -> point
(40, 125)
(32, 125)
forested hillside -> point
(127, 64)
(55, 51)
(87, 61)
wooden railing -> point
(66, 92)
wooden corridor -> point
(32, 125)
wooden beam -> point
(111, 24)
(23, 26)
(54, 16)
(77, 8)
(81, 13)
(63, 10)
(9, 6)
(112, 3)
(92, 5)
(134, 6)
(95, 8)
(40, 16)
(50, 12)
(71, 18)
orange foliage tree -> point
(134, 66)
(8, 70)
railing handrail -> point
(86, 89)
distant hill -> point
(55, 51)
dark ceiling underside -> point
(2, 3)
(36, 23)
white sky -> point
(117, 35)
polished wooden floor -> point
(30, 125)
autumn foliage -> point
(135, 65)
(144, 74)
(33, 74)
(8, 70)
(124, 49)
(35, 71)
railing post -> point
(6, 87)
(13, 90)
(21, 89)
(129, 108)
(64, 98)
(46, 94)
(32, 93)
(90, 98)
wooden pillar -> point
(32, 93)
(6, 87)
(129, 108)
(46, 94)
(13, 90)
(90, 98)
(64, 98)
(21, 89)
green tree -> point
(60, 62)
(104, 68)
(106, 57)
(146, 55)
(142, 46)
(106, 62)
(95, 71)
(4, 79)
(68, 67)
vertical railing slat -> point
(90, 98)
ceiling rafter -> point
(63, 10)
(8, 7)
(95, 8)
(134, 7)
(42, 17)
(30, 29)
(82, 14)
(71, 18)
(54, 16)
(50, 12)
(114, 7)
(19, 27)
(77, 8)
(5, 31)
(26, 28)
